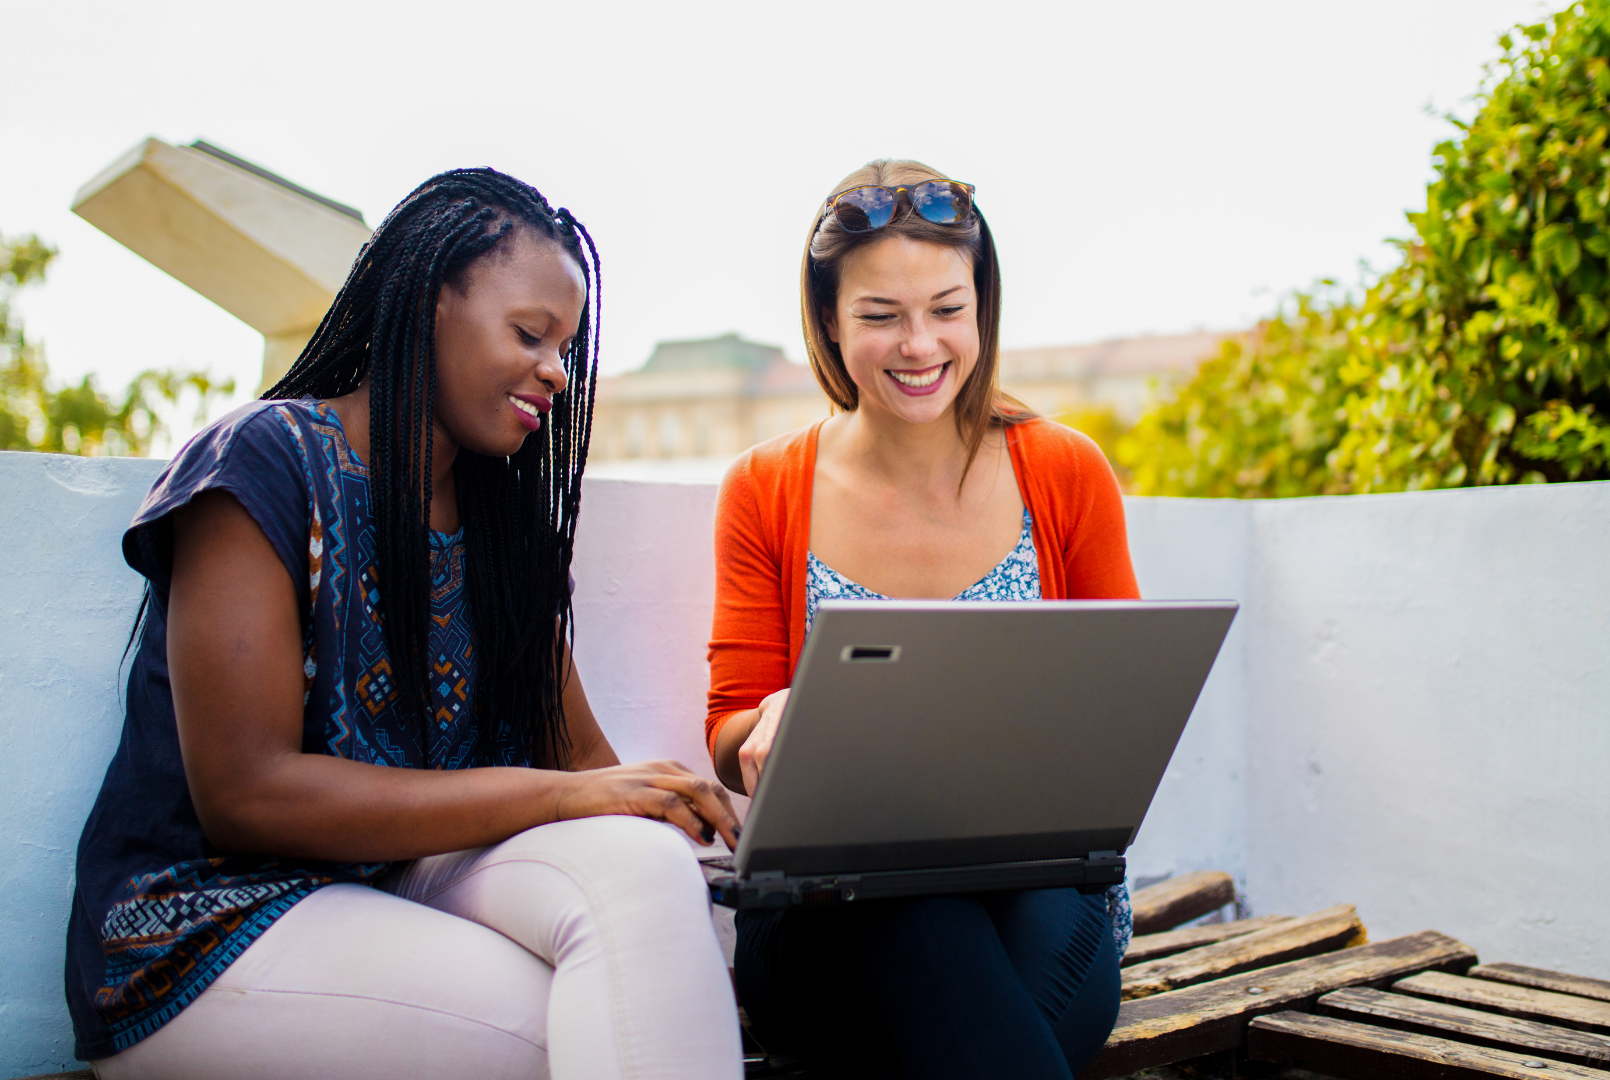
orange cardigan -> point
(763, 532)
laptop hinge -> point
(1094, 855)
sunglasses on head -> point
(872, 206)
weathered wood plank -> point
(1168, 903)
(1568, 1010)
(1467, 1025)
(1212, 1017)
(1321, 932)
(1144, 947)
(1343, 1049)
(1542, 979)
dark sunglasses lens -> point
(863, 209)
(941, 202)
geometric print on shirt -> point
(169, 934)
(452, 662)
(178, 931)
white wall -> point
(1429, 722)
(66, 605)
(1410, 713)
(1186, 549)
(645, 585)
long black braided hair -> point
(519, 512)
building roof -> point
(1164, 354)
(728, 351)
(784, 378)
(722, 367)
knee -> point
(652, 850)
(616, 855)
(1090, 1017)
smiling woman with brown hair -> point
(362, 821)
(927, 483)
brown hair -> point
(980, 404)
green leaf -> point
(1568, 254)
(1436, 374)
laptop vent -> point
(870, 654)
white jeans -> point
(581, 949)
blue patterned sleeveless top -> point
(1016, 577)
(159, 913)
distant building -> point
(1117, 375)
(715, 398)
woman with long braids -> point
(362, 821)
(928, 482)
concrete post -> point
(265, 250)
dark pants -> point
(1001, 984)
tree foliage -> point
(1104, 427)
(1480, 358)
(75, 419)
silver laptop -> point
(941, 747)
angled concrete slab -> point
(269, 252)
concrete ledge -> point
(1409, 711)
(66, 607)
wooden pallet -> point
(1436, 1025)
(1277, 995)
(1302, 996)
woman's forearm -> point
(315, 806)
(322, 807)
(728, 742)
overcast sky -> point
(1146, 167)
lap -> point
(597, 931)
(603, 855)
(618, 906)
(353, 982)
(850, 979)
(541, 886)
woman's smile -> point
(918, 382)
(529, 408)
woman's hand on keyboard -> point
(756, 749)
(662, 790)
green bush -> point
(1480, 359)
(75, 419)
